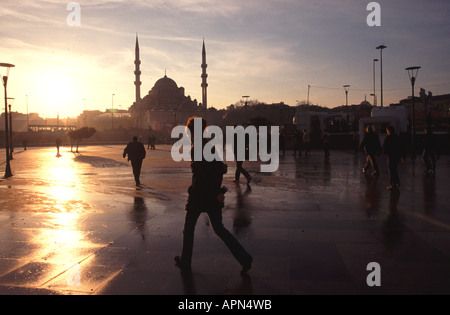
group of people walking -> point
(394, 148)
(205, 195)
(302, 142)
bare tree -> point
(77, 135)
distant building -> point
(102, 121)
(316, 118)
(433, 109)
(278, 114)
(20, 122)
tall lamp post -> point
(8, 66)
(11, 145)
(112, 112)
(309, 86)
(374, 95)
(85, 113)
(346, 88)
(413, 72)
(246, 98)
(28, 117)
(381, 47)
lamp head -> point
(7, 65)
(413, 71)
(5, 77)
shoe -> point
(375, 173)
(249, 180)
(363, 170)
(181, 265)
(246, 267)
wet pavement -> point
(76, 224)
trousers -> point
(215, 217)
(136, 165)
(240, 169)
(393, 172)
(372, 161)
(430, 159)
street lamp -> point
(246, 98)
(346, 88)
(11, 145)
(413, 72)
(374, 95)
(8, 66)
(28, 117)
(309, 86)
(112, 111)
(381, 47)
(85, 113)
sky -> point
(268, 50)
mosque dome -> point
(166, 84)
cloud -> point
(268, 49)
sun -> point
(57, 93)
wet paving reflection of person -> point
(139, 215)
(393, 227)
(242, 218)
(372, 195)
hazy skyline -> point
(270, 50)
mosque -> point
(166, 104)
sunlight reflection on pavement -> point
(52, 202)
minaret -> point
(204, 76)
(137, 72)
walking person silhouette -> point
(429, 155)
(371, 145)
(206, 194)
(136, 154)
(240, 163)
(58, 145)
(393, 148)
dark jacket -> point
(429, 142)
(393, 147)
(206, 185)
(135, 151)
(370, 143)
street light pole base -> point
(8, 172)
